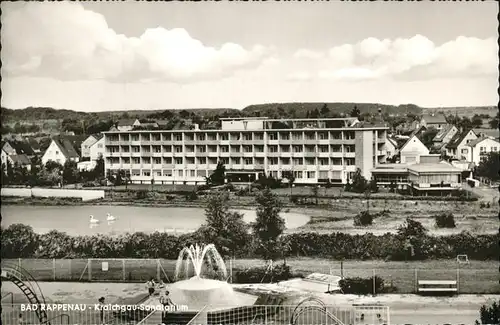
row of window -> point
(236, 160)
(233, 148)
(235, 136)
(311, 174)
(203, 173)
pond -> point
(74, 220)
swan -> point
(92, 220)
(109, 217)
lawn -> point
(476, 277)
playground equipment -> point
(28, 285)
(317, 305)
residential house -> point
(436, 121)
(487, 133)
(444, 136)
(480, 147)
(16, 147)
(411, 151)
(89, 142)
(391, 147)
(60, 150)
(7, 148)
(96, 150)
(9, 155)
(407, 127)
(127, 125)
(21, 160)
(457, 148)
(149, 125)
(23, 148)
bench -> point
(437, 286)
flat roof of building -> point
(433, 168)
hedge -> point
(263, 274)
(362, 286)
(297, 197)
(20, 241)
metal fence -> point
(402, 280)
(310, 314)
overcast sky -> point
(138, 55)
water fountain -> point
(197, 291)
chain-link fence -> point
(401, 277)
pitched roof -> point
(21, 159)
(126, 122)
(97, 136)
(394, 142)
(66, 147)
(33, 143)
(22, 147)
(473, 143)
(434, 119)
(414, 135)
(457, 139)
(443, 132)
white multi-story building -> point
(315, 150)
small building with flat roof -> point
(430, 177)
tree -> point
(358, 183)
(494, 122)
(18, 240)
(465, 123)
(476, 121)
(489, 166)
(290, 176)
(70, 172)
(98, 171)
(355, 111)
(412, 234)
(269, 225)
(314, 113)
(51, 165)
(218, 177)
(225, 229)
(324, 110)
(490, 314)
(427, 137)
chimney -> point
(196, 127)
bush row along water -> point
(20, 241)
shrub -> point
(242, 192)
(364, 218)
(361, 286)
(333, 245)
(490, 314)
(192, 196)
(141, 194)
(278, 273)
(445, 220)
